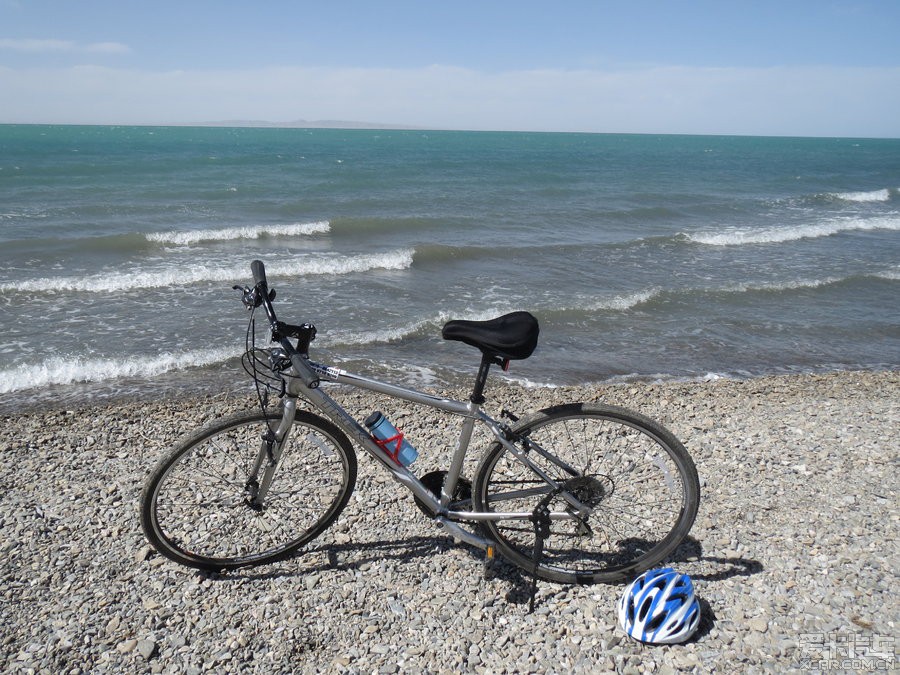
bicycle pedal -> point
(489, 558)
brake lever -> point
(248, 296)
(251, 297)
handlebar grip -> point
(259, 273)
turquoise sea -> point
(643, 256)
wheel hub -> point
(590, 490)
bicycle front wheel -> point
(637, 479)
(197, 506)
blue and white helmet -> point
(659, 607)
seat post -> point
(477, 396)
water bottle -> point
(390, 439)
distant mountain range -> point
(309, 124)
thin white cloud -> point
(805, 101)
(107, 48)
(35, 46)
(31, 46)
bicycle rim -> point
(636, 477)
(196, 508)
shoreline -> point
(237, 385)
(798, 535)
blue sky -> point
(789, 67)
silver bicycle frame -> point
(305, 380)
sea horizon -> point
(349, 125)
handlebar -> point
(281, 332)
(259, 274)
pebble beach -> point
(794, 551)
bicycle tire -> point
(195, 508)
(641, 484)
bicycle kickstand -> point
(540, 518)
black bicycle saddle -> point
(511, 336)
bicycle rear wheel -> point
(636, 477)
(196, 507)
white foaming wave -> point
(245, 232)
(60, 370)
(371, 337)
(482, 315)
(738, 237)
(388, 334)
(414, 327)
(406, 330)
(623, 302)
(530, 384)
(400, 259)
(893, 274)
(198, 273)
(871, 196)
(790, 285)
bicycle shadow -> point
(691, 551)
(357, 555)
(350, 556)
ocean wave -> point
(74, 246)
(893, 275)
(340, 338)
(796, 284)
(529, 383)
(441, 253)
(375, 225)
(586, 308)
(627, 301)
(186, 238)
(444, 253)
(778, 286)
(777, 235)
(202, 273)
(870, 196)
(32, 214)
(624, 301)
(427, 326)
(560, 253)
(59, 370)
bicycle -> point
(575, 493)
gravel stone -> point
(759, 625)
(146, 648)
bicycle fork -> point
(271, 447)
